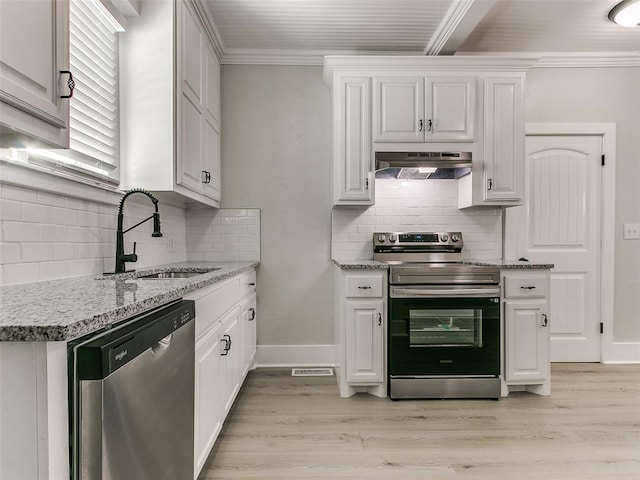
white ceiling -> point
(302, 31)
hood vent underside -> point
(422, 165)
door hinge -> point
(603, 160)
(601, 327)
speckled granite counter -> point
(60, 310)
(510, 265)
(360, 265)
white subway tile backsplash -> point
(19, 231)
(415, 206)
(227, 234)
(47, 236)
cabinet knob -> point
(545, 320)
(70, 83)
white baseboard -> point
(621, 352)
(295, 355)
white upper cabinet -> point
(352, 167)
(32, 78)
(504, 139)
(171, 103)
(424, 109)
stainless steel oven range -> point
(443, 318)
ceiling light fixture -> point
(626, 13)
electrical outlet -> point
(171, 244)
(631, 231)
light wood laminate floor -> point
(284, 427)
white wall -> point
(276, 156)
(47, 236)
(603, 95)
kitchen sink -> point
(176, 274)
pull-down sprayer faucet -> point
(121, 257)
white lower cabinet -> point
(360, 331)
(364, 341)
(526, 342)
(225, 352)
(208, 410)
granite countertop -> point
(360, 265)
(60, 310)
(510, 264)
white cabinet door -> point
(249, 321)
(232, 357)
(211, 159)
(424, 109)
(398, 109)
(450, 109)
(352, 178)
(34, 49)
(208, 412)
(526, 341)
(364, 341)
(191, 85)
(504, 139)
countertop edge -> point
(360, 265)
(510, 265)
(60, 332)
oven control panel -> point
(417, 238)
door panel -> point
(560, 223)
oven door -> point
(444, 331)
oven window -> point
(445, 327)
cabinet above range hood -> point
(422, 165)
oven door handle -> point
(422, 292)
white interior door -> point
(560, 223)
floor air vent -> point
(311, 372)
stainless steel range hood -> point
(422, 165)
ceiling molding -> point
(293, 57)
(460, 20)
(571, 59)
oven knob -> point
(382, 238)
(392, 238)
(455, 238)
(444, 238)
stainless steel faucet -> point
(121, 257)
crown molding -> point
(235, 56)
(571, 59)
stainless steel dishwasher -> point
(133, 398)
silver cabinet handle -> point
(545, 320)
(365, 287)
(379, 319)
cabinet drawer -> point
(212, 302)
(531, 286)
(248, 284)
(364, 286)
